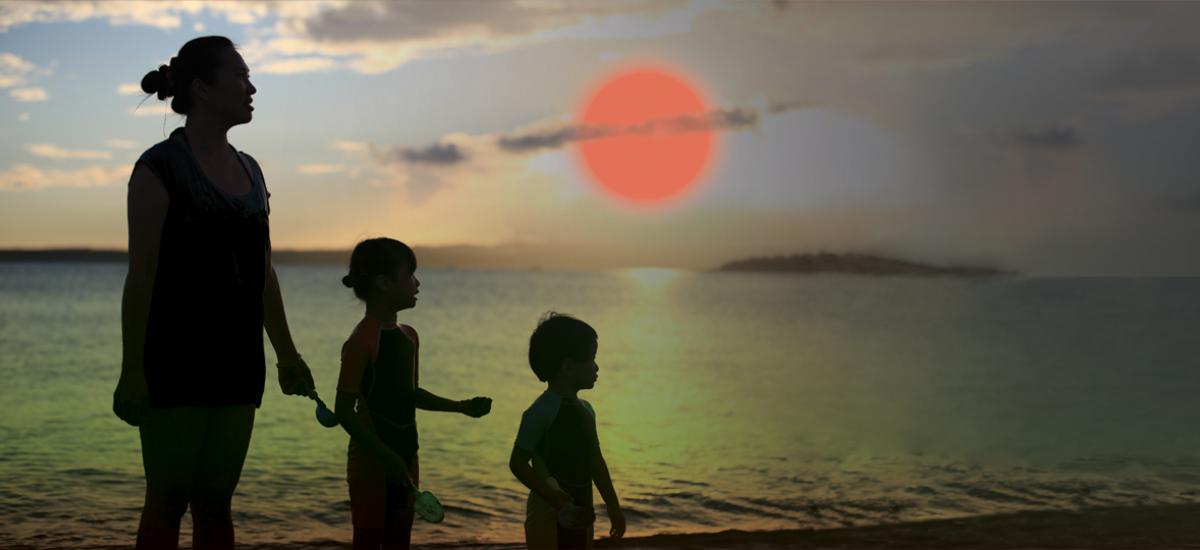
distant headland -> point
(857, 264)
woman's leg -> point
(171, 442)
(227, 437)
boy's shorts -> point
(371, 494)
(541, 523)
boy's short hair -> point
(557, 337)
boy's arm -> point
(344, 409)
(604, 484)
(518, 463)
(602, 479)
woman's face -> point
(228, 97)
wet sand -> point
(1176, 526)
(1173, 526)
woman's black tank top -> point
(204, 344)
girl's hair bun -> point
(348, 282)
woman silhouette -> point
(199, 291)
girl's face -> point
(229, 96)
(401, 290)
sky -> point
(1050, 138)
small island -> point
(856, 264)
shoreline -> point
(1135, 527)
(1158, 526)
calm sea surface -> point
(751, 401)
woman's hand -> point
(477, 406)
(617, 518)
(295, 378)
(131, 398)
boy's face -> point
(582, 374)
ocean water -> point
(749, 401)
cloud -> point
(409, 21)
(349, 146)
(376, 37)
(162, 15)
(130, 88)
(719, 119)
(1058, 138)
(1183, 203)
(14, 71)
(153, 109)
(319, 169)
(1151, 71)
(23, 117)
(55, 152)
(372, 37)
(296, 65)
(780, 107)
(23, 177)
(438, 154)
(29, 95)
(121, 143)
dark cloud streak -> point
(1156, 71)
(437, 154)
(720, 119)
(1060, 138)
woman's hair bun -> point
(348, 282)
(158, 82)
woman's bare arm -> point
(147, 210)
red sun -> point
(645, 137)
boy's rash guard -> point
(560, 433)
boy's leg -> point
(367, 539)
(577, 538)
(573, 538)
(541, 523)
(227, 438)
(171, 442)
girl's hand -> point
(130, 399)
(397, 471)
(617, 518)
(477, 406)
(295, 378)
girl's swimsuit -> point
(379, 366)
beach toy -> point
(568, 516)
(426, 505)
(324, 415)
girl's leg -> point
(171, 442)
(367, 539)
(397, 532)
(227, 438)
